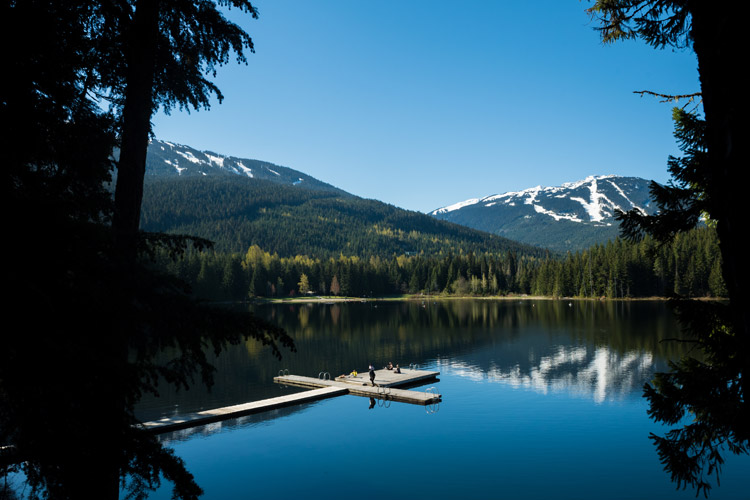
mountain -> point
(237, 202)
(573, 216)
(167, 159)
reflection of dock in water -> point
(387, 388)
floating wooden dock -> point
(387, 383)
(168, 424)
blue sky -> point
(422, 104)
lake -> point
(541, 399)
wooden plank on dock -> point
(168, 424)
(389, 378)
(383, 378)
(385, 385)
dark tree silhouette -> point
(709, 181)
(684, 201)
(710, 389)
(167, 47)
(716, 34)
(87, 310)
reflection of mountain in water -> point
(603, 349)
(591, 371)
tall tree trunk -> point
(718, 40)
(136, 126)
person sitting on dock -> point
(390, 366)
(372, 375)
(398, 369)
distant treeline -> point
(689, 266)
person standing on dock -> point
(372, 375)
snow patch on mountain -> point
(540, 210)
(595, 204)
(624, 195)
(217, 160)
(245, 169)
(169, 159)
(533, 194)
(593, 199)
(189, 156)
(456, 206)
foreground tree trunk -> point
(718, 42)
(136, 126)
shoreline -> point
(417, 297)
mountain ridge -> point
(238, 203)
(170, 159)
(571, 216)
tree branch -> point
(670, 97)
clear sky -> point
(424, 103)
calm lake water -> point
(541, 400)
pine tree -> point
(695, 450)
(716, 35)
(112, 311)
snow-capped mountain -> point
(167, 159)
(568, 217)
(238, 202)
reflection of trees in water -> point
(603, 349)
(525, 339)
(450, 324)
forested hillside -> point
(237, 212)
(689, 266)
(276, 240)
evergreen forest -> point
(688, 266)
(237, 212)
(275, 240)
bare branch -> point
(670, 97)
(695, 97)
